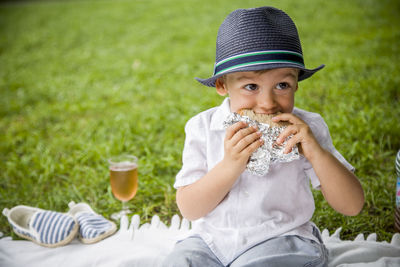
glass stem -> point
(124, 207)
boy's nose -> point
(266, 103)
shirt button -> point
(244, 241)
(246, 194)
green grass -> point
(83, 80)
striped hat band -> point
(258, 58)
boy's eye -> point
(251, 87)
(282, 86)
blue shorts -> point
(280, 251)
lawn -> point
(83, 80)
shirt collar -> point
(220, 115)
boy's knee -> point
(176, 259)
(182, 258)
(191, 252)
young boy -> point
(243, 219)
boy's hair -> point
(258, 39)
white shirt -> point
(257, 208)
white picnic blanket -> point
(148, 244)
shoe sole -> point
(64, 242)
(99, 238)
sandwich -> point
(269, 152)
(263, 118)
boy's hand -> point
(240, 142)
(340, 187)
(302, 135)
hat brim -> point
(304, 73)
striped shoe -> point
(92, 226)
(46, 228)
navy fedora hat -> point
(257, 39)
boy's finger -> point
(233, 129)
(247, 140)
(253, 147)
(242, 134)
(289, 117)
(292, 142)
(290, 130)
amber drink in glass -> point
(123, 180)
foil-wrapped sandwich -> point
(269, 152)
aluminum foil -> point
(269, 152)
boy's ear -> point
(220, 86)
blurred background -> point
(81, 81)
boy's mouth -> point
(262, 117)
(269, 114)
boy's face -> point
(268, 92)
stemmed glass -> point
(123, 180)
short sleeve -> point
(324, 138)
(194, 163)
(321, 132)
